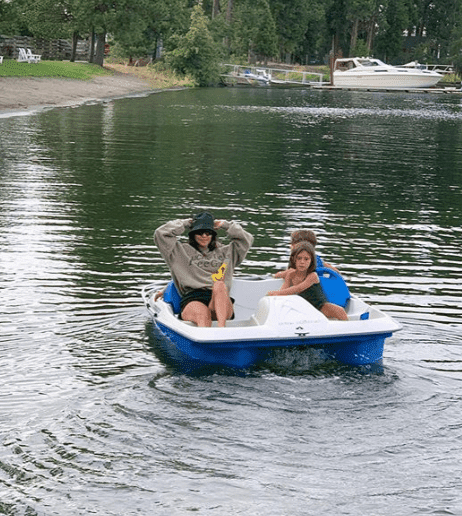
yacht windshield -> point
(370, 62)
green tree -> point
(250, 28)
(336, 14)
(292, 21)
(12, 18)
(196, 53)
(8, 18)
(359, 12)
(442, 25)
(264, 42)
(140, 25)
(316, 41)
(49, 19)
(253, 29)
(353, 24)
(394, 20)
(455, 42)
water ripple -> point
(94, 418)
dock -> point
(262, 76)
(241, 75)
(435, 89)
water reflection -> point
(356, 168)
(90, 402)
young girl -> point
(305, 235)
(302, 279)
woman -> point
(202, 269)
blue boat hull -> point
(266, 328)
(356, 351)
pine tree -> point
(196, 53)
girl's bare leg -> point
(334, 312)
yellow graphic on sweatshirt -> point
(221, 272)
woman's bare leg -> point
(198, 313)
(220, 304)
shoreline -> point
(24, 95)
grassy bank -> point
(56, 69)
(155, 75)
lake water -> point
(94, 420)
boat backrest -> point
(172, 297)
(247, 292)
(334, 286)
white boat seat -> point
(261, 315)
(282, 310)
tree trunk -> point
(354, 35)
(229, 11)
(229, 18)
(99, 54)
(216, 8)
(370, 34)
(92, 47)
(75, 39)
(336, 46)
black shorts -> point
(203, 295)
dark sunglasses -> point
(202, 232)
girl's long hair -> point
(211, 246)
(303, 246)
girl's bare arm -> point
(287, 290)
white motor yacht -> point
(367, 72)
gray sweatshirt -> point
(192, 269)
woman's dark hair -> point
(193, 243)
(303, 246)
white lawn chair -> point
(33, 58)
(26, 56)
(22, 56)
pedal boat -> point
(265, 323)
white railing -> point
(270, 75)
